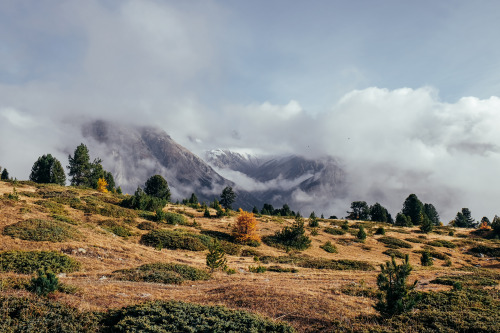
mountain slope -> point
(300, 182)
(140, 152)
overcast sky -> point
(405, 93)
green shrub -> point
(147, 225)
(394, 253)
(257, 269)
(477, 278)
(415, 240)
(361, 235)
(43, 315)
(64, 219)
(442, 243)
(290, 237)
(95, 205)
(52, 207)
(339, 265)
(279, 269)
(174, 218)
(41, 230)
(360, 290)
(380, 231)
(329, 247)
(116, 228)
(44, 283)
(28, 262)
(395, 297)
(250, 253)
(216, 257)
(433, 253)
(394, 243)
(173, 240)
(334, 231)
(426, 259)
(486, 250)
(174, 316)
(168, 273)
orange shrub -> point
(245, 228)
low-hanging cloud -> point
(163, 63)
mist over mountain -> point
(304, 184)
(135, 153)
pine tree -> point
(431, 213)
(378, 213)
(313, 220)
(359, 211)
(79, 166)
(403, 221)
(47, 169)
(392, 282)
(426, 224)
(412, 208)
(157, 186)
(4, 175)
(426, 259)
(216, 257)
(361, 233)
(227, 197)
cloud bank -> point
(203, 72)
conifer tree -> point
(246, 227)
(47, 169)
(227, 197)
(361, 233)
(157, 186)
(79, 166)
(216, 257)
(392, 282)
(413, 208)
(4, 175)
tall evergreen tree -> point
(79, 166)
(431, 213)
(413, 208)
(4, 175)
(227, 197)
(403, 221)
(464, 219)
(359, 211)
(378, 213)
(47, 169)
(157, 186)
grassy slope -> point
(310, 300)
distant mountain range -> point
(134, 153)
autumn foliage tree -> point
(246, 226)
(102, 185)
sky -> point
(404, 93)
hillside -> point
(309, 293)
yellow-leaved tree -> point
(246, 227)
(102, 185)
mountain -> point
(134, 153)
(302, 183)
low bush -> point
(360, 290)
(380, 231)
(485, 250)
(477, 278)
(43, 315)
(115, 228)
(329, 247)
(250, 253)
(280, 269)
(433, 253)
(42, 230)
(339, 265)
(44, 283)
(257, 269)
(394, 243)
(169, 273)
(334, 231)
(290, 237)
(426, 259)
(28, 262)
(173, 240)
(147, 225)
(52, 207)
(415, 240)
(442, 243)
(64, 219)
(394, 253)
(174, 316)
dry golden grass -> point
(310, 299)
